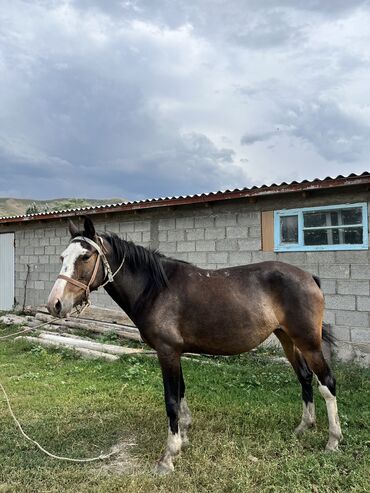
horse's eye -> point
(85, 258)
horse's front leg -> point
(171, 372)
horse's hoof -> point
(185, 442)
(330, 447)
(161, 468)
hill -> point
(15, 207)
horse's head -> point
(82, 270)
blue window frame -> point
(331, 227)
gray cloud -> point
(142, 98)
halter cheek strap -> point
(101, 256)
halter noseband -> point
(101, 256)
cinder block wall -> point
(220, 235)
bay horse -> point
(180, 308)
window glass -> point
(332, 218)
(289, 229)
(335, 236)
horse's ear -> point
(89, 228)
(72, 228)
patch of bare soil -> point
(122, 462)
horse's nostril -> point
(58, 306)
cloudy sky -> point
(147, 98)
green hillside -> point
(15, 207)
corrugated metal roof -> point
(237, 193)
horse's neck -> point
(126, 289)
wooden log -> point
(100, 314)
(97, 327)
(84, 343)
(87, 353)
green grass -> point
(243, 407)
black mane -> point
(154, 265)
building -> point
(320, 226)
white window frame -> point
(300, 246)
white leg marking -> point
(184, 421)
(335, 433)
(308, 418)
(173, 448)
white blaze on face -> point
(70, 255)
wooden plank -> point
(96, 313)
(97, 327)
(267, 222)
(87, 353)
(85, 343)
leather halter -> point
(101, 256)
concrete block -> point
(204, 221)
(360, 335)
(329, 316)
(145, 237)
(162, 236)
(351, 257)
(184, 222)
(142, 225)
(254, 231)
(113, 227)
(49, 233)
(176, 235)
(167, 247)
(215, 233)
(55, 241)
(62, 232)
(328, 286)
(363, 303)
(240, 258)
(166, 224)
(186, 246)
(136, 237)
(360, 271)
(218, 258)
(194, 234)
(353, 287)
(39, 285)
(320, 257)
(197, 258)
(205, 246)
(342, 333)
(44, 242)
(263, 256)
(334, 271)
(237, 232)
(295, 258)
(181, 256)
(227, 245)
(352, 318)
(225, 220)
(249, 218)
(127, 227)
(340, 302)
(250, 244)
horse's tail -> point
(317, 281)
(327, 334)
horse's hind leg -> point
(327, 388)
(304, 375)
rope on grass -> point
(27, 437)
